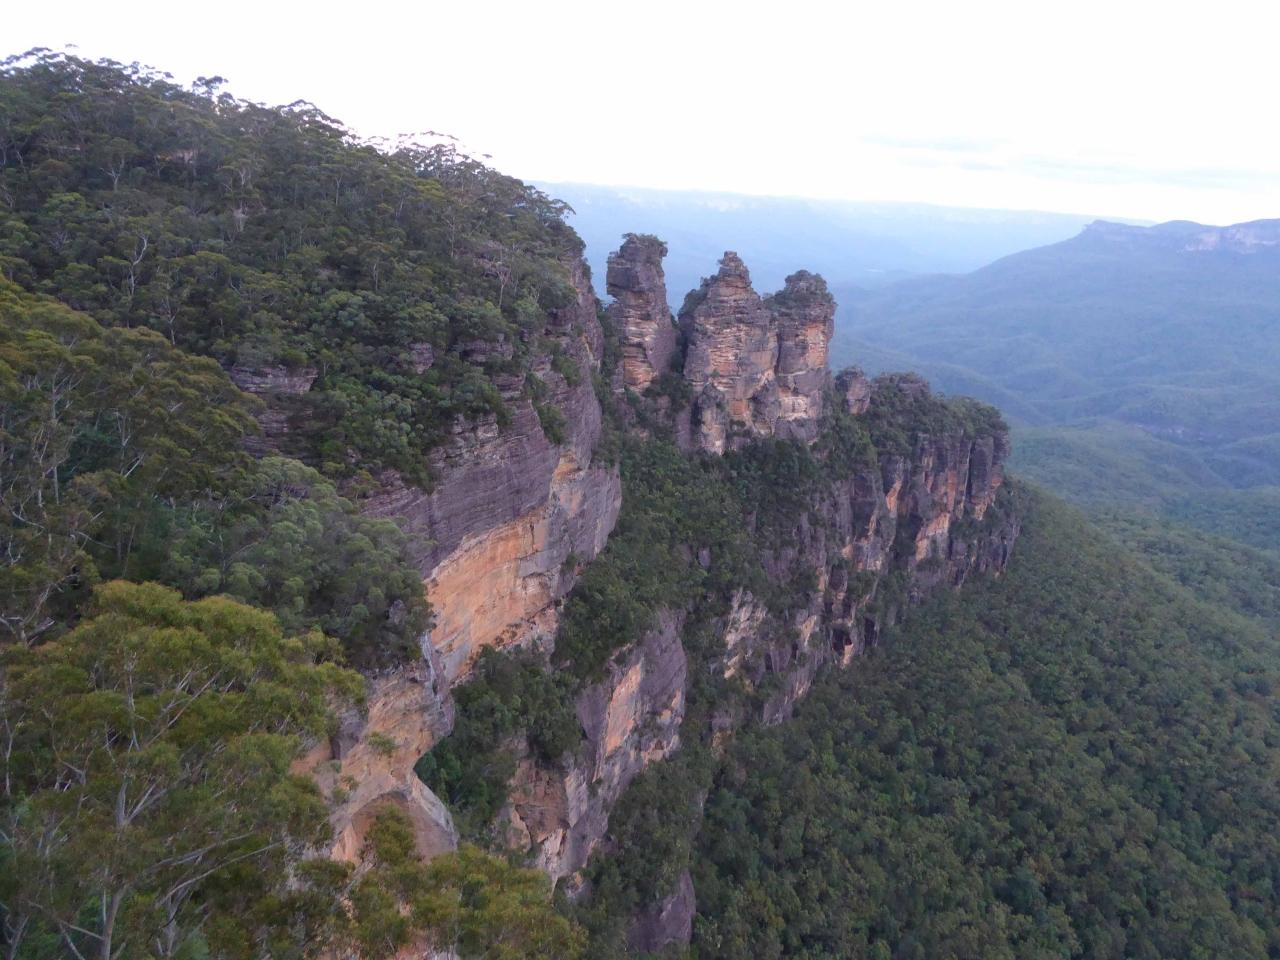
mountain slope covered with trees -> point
(1139, 363)
(266, 390)
(1075, 761)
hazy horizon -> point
(1148, 111)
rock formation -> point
(512, 516)
(854, 390)
(804, 314)
(757, 368)
(509, 507)
(639, 311)
(499, 538)
(630, 719)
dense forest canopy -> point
(1077, 761)
(178, 618)
(272, 237)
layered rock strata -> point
(629, 720)
(512, 516)
(499, 537)
(756, 367)
(509, 507)
(639, 311)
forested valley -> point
(820, 687)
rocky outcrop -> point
(280, 387)
(668, 922)
(368, 765)
(639, 311)
(630, 719)
(882, 539)
(756, 368)
(804, 316)
(513, 514)
(854, 390)
(510, 508)
(499, 537)
(876, 539)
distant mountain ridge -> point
(1189, 236)
(862, 244)
(1172, 331)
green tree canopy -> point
(147, 752)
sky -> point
(1127, 108)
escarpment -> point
(516, 506)
(513, 509)
(845, 501)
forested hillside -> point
(180, 617)
(370, 588)
(1139, 363)
(1075, 761)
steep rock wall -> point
(509, 508)
(874, 541)
(639, 311)
(499, 537)
(629, 719)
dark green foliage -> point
(467, 903)
(904, 410)
(269, 236)
(1249, 516)
(1214, 569)
(100, 431)
(1077, 760)
(510, 697)
(283, 539)
(148, 759)
(650, 840)
(122, 458)
(674, 507)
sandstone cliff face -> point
(499, 538)
(884, 539)
(509, 507)
(640, 312)
(804, 315)
(629, 720)
(509, 510)
(853, 390)
(875, 541)
(757, 368)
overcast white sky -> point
(1158, 110)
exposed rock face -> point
(639, 310)
(493, 538)
(670, 921)
(880, 538)
(921, 515)
(804, 314)
(630, 719)
(369, 765)
(854, 389)
(279, 386)
(757, 368)
(509, 507)
(732, 353)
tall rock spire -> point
(640, 311)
